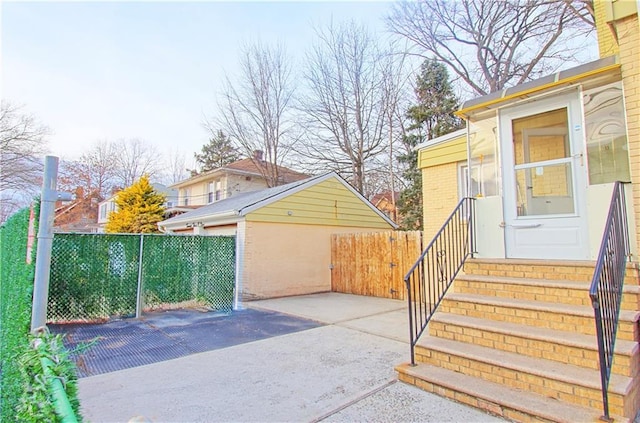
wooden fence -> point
(373, 264)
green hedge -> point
(16, 292)
(26, 393)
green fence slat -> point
(95, 276)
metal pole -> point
(45, 240)
(139, 303)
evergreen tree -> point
(139, 209)
(218, 152)
(431, 117)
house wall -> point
(440, 196)
(287, 259)
(628, 31)
(235, 184)
(326, 203)
(607, 45)
(230, 184)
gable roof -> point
(240, 205)
(249, 167)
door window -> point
(543, 164)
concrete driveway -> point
(341, 371)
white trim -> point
(226, 217)
(240, 238)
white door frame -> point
(561, 236)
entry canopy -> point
(598, 72)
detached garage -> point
(283, 234)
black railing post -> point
(432, 274)
(606, 286)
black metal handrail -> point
(433, 273)
(606, 286)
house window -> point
(103, 211)
(607, 147)
(483, 144)
(211, 192)
(478, 183)
(185, 197)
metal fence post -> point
(48, 200)
(139, 302)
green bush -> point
(16, 292)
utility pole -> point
(48, 199)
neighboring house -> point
(237, 177)
(387, 202)
(78, 215)
(283, 234)
(171, 205)
(515, 334)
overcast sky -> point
(151, 70)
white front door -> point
(544, 179)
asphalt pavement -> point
(339, 369)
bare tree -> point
(22, 145)
(176, 169)
(492, 44)
(347, 105)
(256, 108)
(133, 159)
(94, 172)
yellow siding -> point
(606, 42)
(440, 193)
(451, 151)
(328, 203)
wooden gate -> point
(373, 264)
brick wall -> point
(283, 259)
(628, 34)
(440, 192)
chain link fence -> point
(98, 276)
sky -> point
(94, 71)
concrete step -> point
(497, 399)
(564, 382)
(563, 317)
(543, 269)
(560, 346)
(555, 291)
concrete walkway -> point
(342, 371)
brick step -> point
(511, 404)
(560, 346)
(543, 269)
(555, 291)
(563, 317)
(564, 382)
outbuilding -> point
(283, 234)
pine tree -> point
(139, 209)
(430, 118)
(218, 152)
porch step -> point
(555, 291)
(563, 317)
(564, 382)
(494, 398)
(560, 346)
(576, 270)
